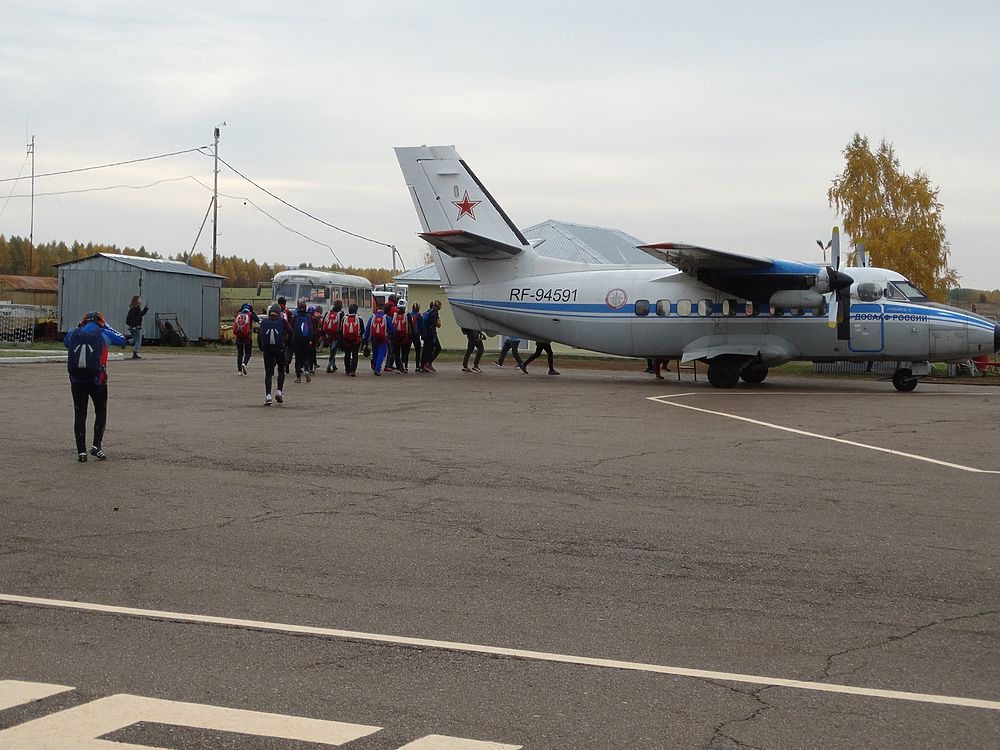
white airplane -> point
(739, 313)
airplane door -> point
(867, 328)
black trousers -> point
(350, 357)
(274, 360)
(243, 351)
(432, 348)
(541, 346)
(475, 345)
(83, 394)
(303, 357)
(400, 354)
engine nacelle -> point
(797, 299)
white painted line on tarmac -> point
(667, 400)
(80, 727)
(16, 693)
(426, 643)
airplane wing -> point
(746, 276)
(461, 244)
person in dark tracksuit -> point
(272, 340)
(416, 323)
(432, 347)
(243, 333)
(302, 341)
(352, 330)
(475, 339)
(87, 364)
(540, 346)
(331, 331)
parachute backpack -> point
(351, 330)
(378, 330)
(242, 325)
(85, 361)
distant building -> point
(28, 290)
(554, 239)
(173, 290)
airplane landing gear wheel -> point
(754, 374)
(723, 372)
(903, 380)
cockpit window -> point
(905, 290)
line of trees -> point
(18, 258)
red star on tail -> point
(465, 207)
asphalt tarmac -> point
(606, 531)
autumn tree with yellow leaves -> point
(895, 215)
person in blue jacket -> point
(378, 334)
(87, 363)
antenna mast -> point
(215, 203)
(31, 226)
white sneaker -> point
(244, 368)
(267, 400)
(279, 397)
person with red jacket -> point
(87, 364)
(399, 346)
(243, 333)
(378, 334)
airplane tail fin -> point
(461, 220)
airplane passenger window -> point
(750, 309)
(642, 307)
(869, 291)
(684, 307)
(663, 307)
(729, 307)
(705, 307)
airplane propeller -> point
(839, 295)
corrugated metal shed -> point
(107, 282)
(423, 275)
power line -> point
(14, 186)
(113, 164)
(301, 211)
(108, 187)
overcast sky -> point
(720, 124)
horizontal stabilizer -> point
(458, 243)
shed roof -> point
(29, 283)
(149, 264)
(422, 275)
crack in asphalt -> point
(828, 672)
(723, 729)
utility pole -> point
(215, 203)
(31, 226)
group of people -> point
(288, 338)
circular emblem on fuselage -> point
(616, 299)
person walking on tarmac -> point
(400, 345)
(432, 347)
(510, 344)
(475, 339)
(289, 317)
(302, 341)
(243, 332)
(378, 334)
(351, 333)
(416, 326)
(317, 313)
(87, 363)
(331, 332)
(540, 346)
(272, 340)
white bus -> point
(321, 288)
